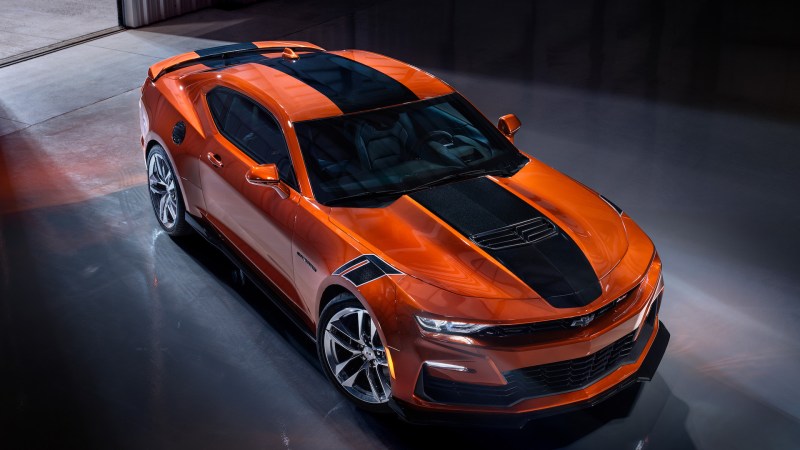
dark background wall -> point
(743, 54)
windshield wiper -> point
(459, 176)
(366, 195)
(443, 180)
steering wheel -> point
(438, 136)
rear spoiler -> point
(198, 56)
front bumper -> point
(651, 354)
(512, 376)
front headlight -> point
(447, 326)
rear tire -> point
(165, 193)
(352, 354)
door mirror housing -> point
(509, 125)
(264, 174)
(267, 175)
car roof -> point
(308, 82)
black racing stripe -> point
(350, 85)
(554, 267)
(225, 48)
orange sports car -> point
(442, 272)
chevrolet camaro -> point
(440, 271)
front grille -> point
(535, 381)
(527, 232)
(573, 374)
(553, 325)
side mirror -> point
(509, 125)
(266, 175)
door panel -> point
(256, 219)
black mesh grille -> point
(535, 381)
(522, 233)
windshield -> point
(369, 158)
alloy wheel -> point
(163, 192)
(356, 357)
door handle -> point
(214, 159)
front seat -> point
(381, 148)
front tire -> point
(352, 354)
(165, 193)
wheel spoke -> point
(361, 326)
(372, 384)
(343, 344)
(372, 331)
(157, 168)
(162, 170)
(338, 368)
(350, 380)
(156, 189)
(162, 209)
(155, 183)
(386, 385)
(341, 328)
(173, 208)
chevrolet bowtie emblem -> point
(581, 322)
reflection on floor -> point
(32, 24)
(115, 336)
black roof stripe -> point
(350, 85)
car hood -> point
(466, 237)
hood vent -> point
(522, 233)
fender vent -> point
(522, 233)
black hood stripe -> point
(550, 262)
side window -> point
(252, 129)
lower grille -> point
(535, 381)
(565, 376)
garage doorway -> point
(29, 28)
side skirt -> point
(217, 241)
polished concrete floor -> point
(112, 335)
(27, 25)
